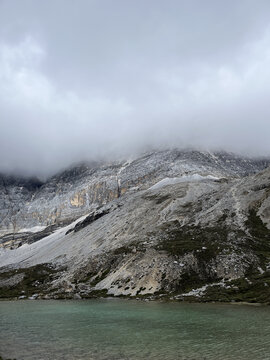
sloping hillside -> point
(183, 232)
(29, 205)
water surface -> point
(120, 329)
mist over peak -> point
(111, 80)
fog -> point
(90, 80)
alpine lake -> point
(114, 329)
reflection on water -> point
(118, 329)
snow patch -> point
(176, 180)
(33, 251)
(33, 229)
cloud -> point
(108, 81)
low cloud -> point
(109, 81)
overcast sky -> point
(89, 79)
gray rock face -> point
(178, 224)
(30, 204)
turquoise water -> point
(119, 329)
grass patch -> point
(96, 294)
(101, 277)
(190, 280)
(122, 250)
(254, 290)
(256, 227)
(35, 279)
(206, 243)
(260, 241)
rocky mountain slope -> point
(173, 224)
(28, 204)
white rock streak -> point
(175, 180)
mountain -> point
(185, 225)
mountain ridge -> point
(177, 225)
(77, 190)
